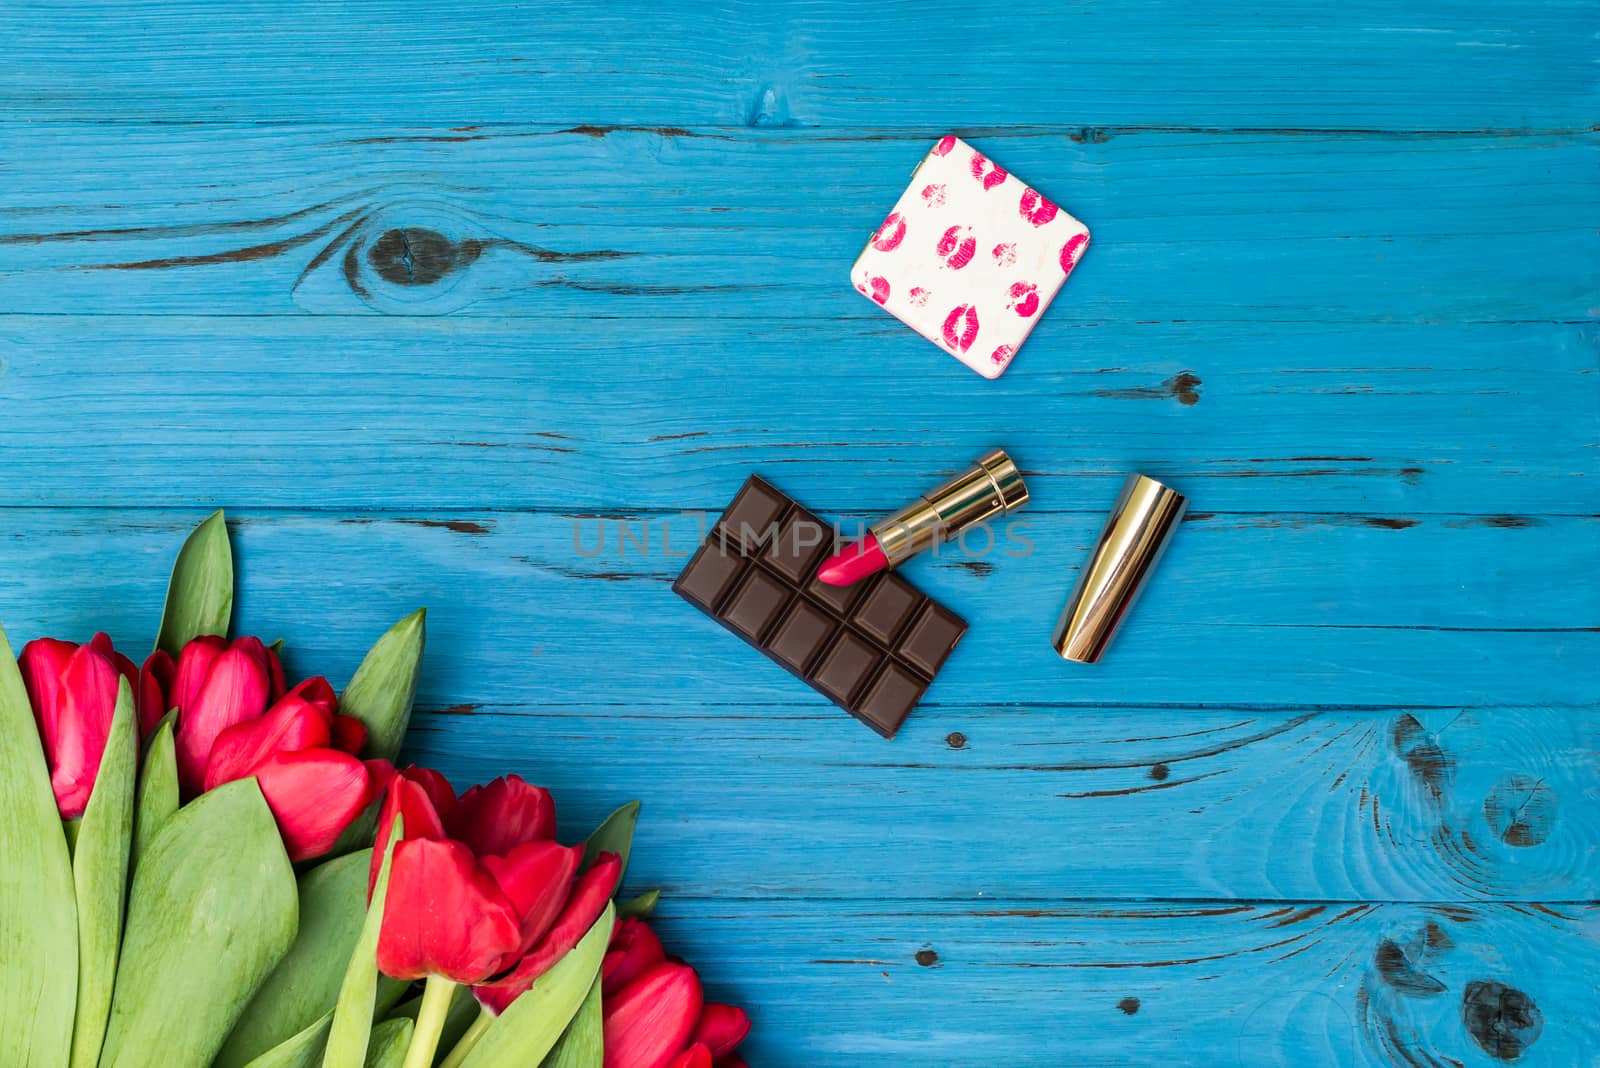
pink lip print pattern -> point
(987, 171)
(890, 234)
(961, 327)
(877, 287)
(1072, 251)
(1036, 209)
(966, 244)
(1024, 299)
(957, 247)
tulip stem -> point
(469, 1038)
(436, 995)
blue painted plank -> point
(1429, 64)
(1193, 762)
(1431, 615)
(977, 799)
(763, 225)
(1397, 422)
(1092, 984)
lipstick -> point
(992, 486)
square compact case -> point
(970, 256)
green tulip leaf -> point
(38, 921)
(200, 594)
(532, 1024)
(305, 984)
(100, 876)
(615, 835)
(642, 906)
(212, 911)
(303, 1049)
(356, 1006)
(583, 1045)
(381, 691)
(157, 797)
(388, 1045)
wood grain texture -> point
(1347, 613)
(1365, 64)
(762, 225)
(432, 297)
(1398, 422)
(1128, 984)
(1351, 804)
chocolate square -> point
(837, 599)
(711, 574)
(886, 609)
(756, 604)
(802, 634)
(871, 648)
(890, 698)
(931, 638)
(845, 666)
(799, 546)
(752, 519)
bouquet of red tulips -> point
(203, 865)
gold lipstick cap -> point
(1133, 540)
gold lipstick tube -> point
(1133, 539)
(992, 486)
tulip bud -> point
(651, 1021)
(696, 1056)
(221, 688)
(73, 691)
(635, 949)
(721, 1028)
(155, 683)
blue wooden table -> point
(432, 296)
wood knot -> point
(1129, 1006)
(927, 958)
(1420, 749)
(1501, 1019)
(1185, 386)
(1160, 772)
(416, 256)
(956, 740)
(1521, 810)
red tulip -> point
(217, 685)
(635, 949)
(73, 691)
(587, 902)
(444, 915)
(155, 683)
(696, 1056)
(650, 1023)
(654, 1014)
(349, 734)
(721, 1028)
(478, 883)
(235, 721)
(302, 720)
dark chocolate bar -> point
(872, 648)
